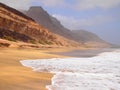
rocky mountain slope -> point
(53, 25)
(43, 18)
(15, 26)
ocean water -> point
(101, 72)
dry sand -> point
(14, 76)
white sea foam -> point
(96, 73)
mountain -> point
(53, 25)
(43, 18)
(86, 37)
(15, 26)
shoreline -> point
(85, 53)
(23, 77)
(48, 65)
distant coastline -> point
(85, 53)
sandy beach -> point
(14, 76)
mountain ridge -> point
(56, 27)
(89, 36)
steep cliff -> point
(14, 25)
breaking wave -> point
(101, 72)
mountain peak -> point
(36, 9)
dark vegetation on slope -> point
(14, 36)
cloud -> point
(91, 4)
(25, 4)
(73, 23)
(18, 4)
(80, 4)
(72, 4)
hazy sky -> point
(99, 16)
